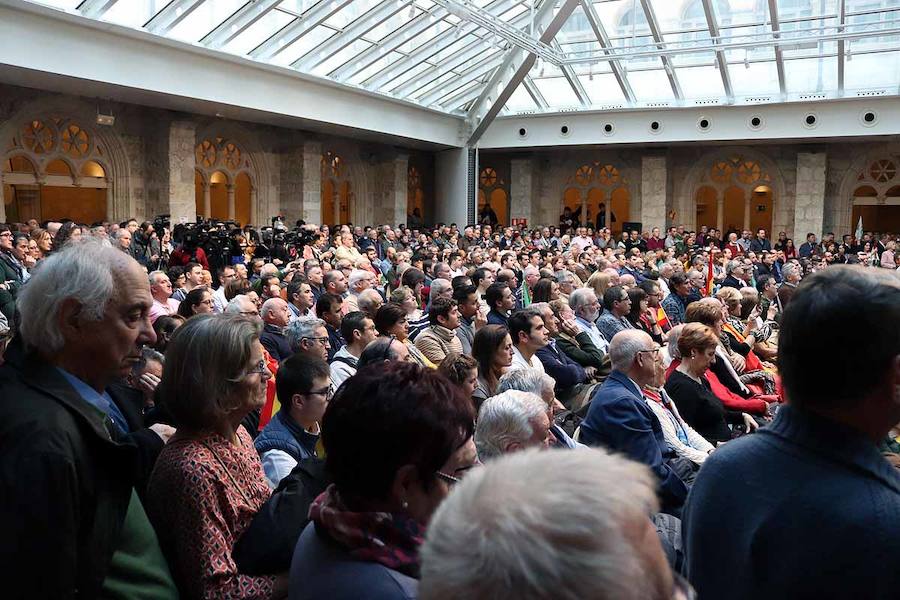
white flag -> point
(859, 231)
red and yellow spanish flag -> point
(272, 404)
(710, 283)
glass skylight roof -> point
(608, 53)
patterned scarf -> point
(389, 539)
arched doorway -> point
(734, 193)
(223, 187)
(876, 196)
(337, 192)
(53, 170)
(602, 194)
(492, 192)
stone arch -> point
(698, 176)
(107, 149)
(599, 181)
(858, 175)
(255, 162)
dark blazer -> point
(732, 281)
(804, 509)
(130, 402)
(495, 318)
(66, 484)
(560, 367)
(275, 342)
(620, 420)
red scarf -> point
(390, 539)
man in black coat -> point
(69, 510)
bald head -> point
(630, 352)
(275, 311)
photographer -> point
(188, 251)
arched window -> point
(876, 195)
(734, 193)
(493, 197)
(54, 168)
(223, 186)
(598, 193)
(337, 194)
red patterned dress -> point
(202, 495)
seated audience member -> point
(511, 421)
(501, 301)
(369, 302)
(526, 328)
(276, 317)
(814, 478)
(392, 320)
(330, 308)
(541, 385)
(617, 305)
(208, 481)
(439, 339)
(300, 299)
(691, 392)
(470, 317)
(675, 304)
(70, 507)
(586, 307)
(367, 527)
(641, 316)
(493, 350)
(161, 290)
(573, 387)
(562, 525)
(197, 302)
(164, 327)
(308, 336)
(358, 330)
(462, 371)
(304, 389)
(382, 350)
(620, 420)
(545, 290)
(577, 343)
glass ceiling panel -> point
(421, 51)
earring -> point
(404, 504)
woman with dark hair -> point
(69, 231)
(208, 482)
(640, 314)
(545, 290)
(462, 371)
(199, 301)
(789, 250)
(44, 242)
(414, 279)
(367, 527)
(492, 348)
(164, 327)
(391, 320)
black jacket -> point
(65, 484)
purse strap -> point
(228, 472)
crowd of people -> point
(436, 412)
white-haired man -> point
(161, 290)
(596, 543)
(69, 476)
(276, 315)
(369, 302)
(358, 281)
(586, 306)
(619, 419)
(542, 385)
(309, 336)
(512, 421)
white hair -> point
(154, 275)
(83, 272)
(237, 304)
(542, 524)
(580, 297)
(368, 298)
(438, 287)
(300, 329)
(624, 348)
(672, 341)
(356, 276)
(269, 306)
(530, 270)
(790, 269)
(506, 418)
(531, 381)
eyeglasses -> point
(654, 352)
(259, 368)
(327, 392)
(320, 340)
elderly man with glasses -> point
(309, 336)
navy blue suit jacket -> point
(620, 420)
(560, 367)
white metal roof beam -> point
(571, 76)
(712, 21)
(483, 112)
(170, 16)
(603, 39)
(94, 9)
(535, 93)
(462, 98)
(658, 38)
(238, 22)
(842, 18)
(357, 28)
(432, 47)
(779, 55)
(296, 29)
(476, 71)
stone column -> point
(521, 190)
(653, 192)
(748, 202)
(809, 200)
(452, 185)
(229, 188)
(207, 200)
(394, 191)
(254, 218)
(311, 187)
(180, 169)
(720, 211)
